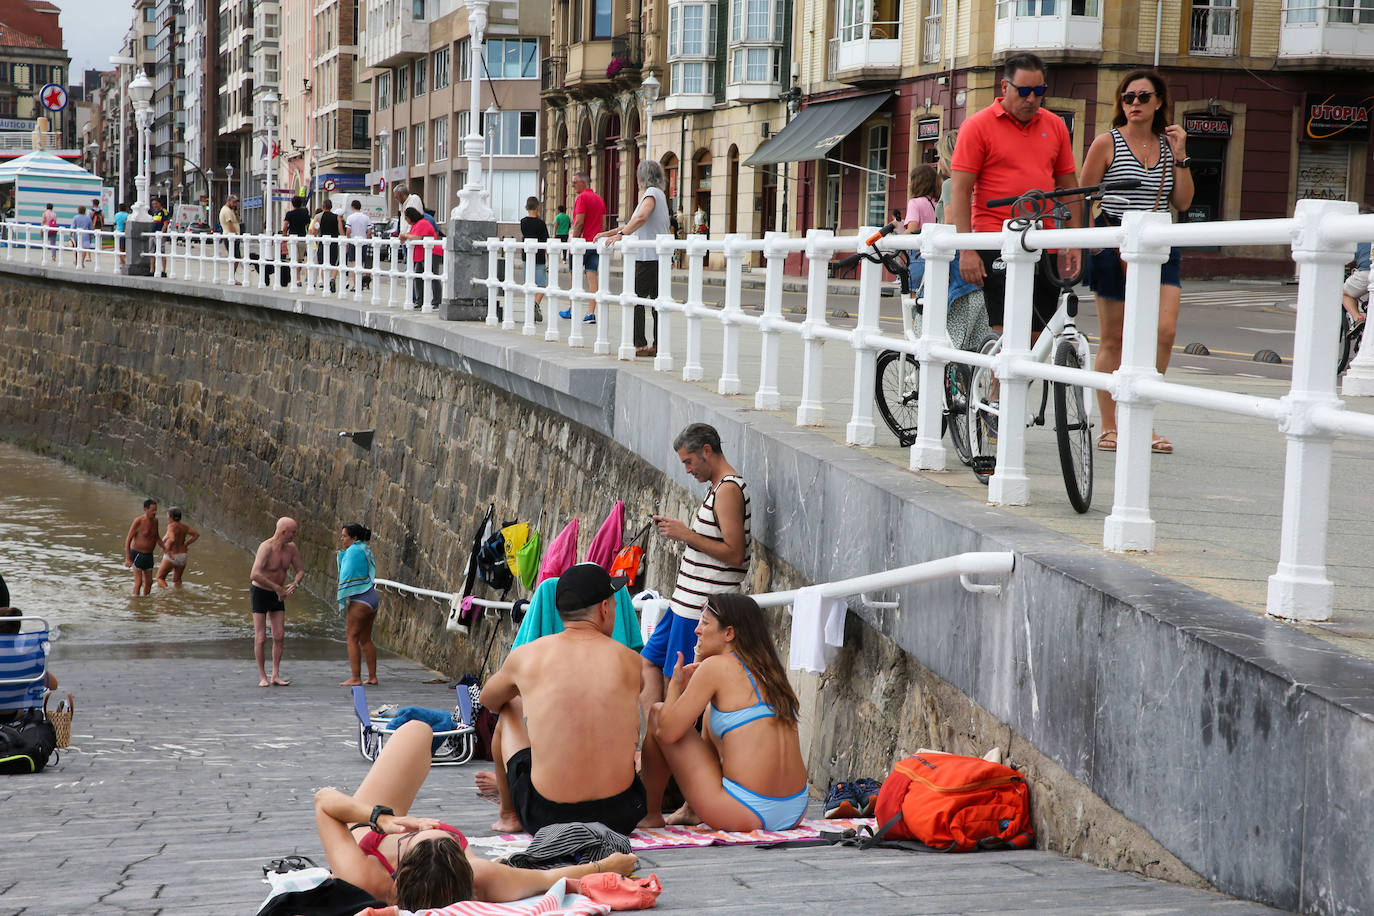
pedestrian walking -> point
(50, 232)
(532, 226)
(1142, 145)
(230, 228)
(296, 223)
(562, 225)
(649, 221)
(358, 225)
(83, 230)
(589, 214)
(121, 219)
(920, 211)
(327, 228)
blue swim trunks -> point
(673, 634)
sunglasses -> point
(1129, 98)
(1025, 91)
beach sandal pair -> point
(1106, 442)
(852, 799)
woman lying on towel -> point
(745, 770)
(418, 862)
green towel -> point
(527, 559)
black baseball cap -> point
(584, 585)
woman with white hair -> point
(650, 219)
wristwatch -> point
(378, 811)
(1185, 163)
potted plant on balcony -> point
(615, 66)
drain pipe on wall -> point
(1159, 14)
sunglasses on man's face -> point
(1025, 91)
(1129, 98)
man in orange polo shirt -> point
(1004, 150)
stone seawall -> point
(1149, 719)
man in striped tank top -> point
(715, 560)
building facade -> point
(31, 57)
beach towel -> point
(561, 552)
(609, 538)
(527, 559)
(541, 619)
(671, 837)
(817, 630)
(557, 902)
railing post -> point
(667, 245)
(1300, 589)
(493, 262)
(693, 307)
(575, 295)
(264, 254)
(729, 317)
(532, 250)
(396, 275)
(860, 429)
(511, 287)
(627, 291)
(928, 451)
(811, 410)
(1359, 375)
(767, 397)
(1129, 526)
(1010, 486)
(555, 258)
(602, 345)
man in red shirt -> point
(1004, 150)
(589, 212)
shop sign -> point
(1330, 117)
(928, 129)
(1207, 125)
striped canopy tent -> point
(41, 178)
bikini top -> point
(723, 722)
(372, 839)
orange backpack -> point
(954, 803)
(626, 562)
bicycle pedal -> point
(984, 464)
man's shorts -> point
(591, 261)
(265, 601)
(1045, 297)
(673, 634)
(619, 812)
(1357, 284)
(140, 559)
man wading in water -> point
(139, 545)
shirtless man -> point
(139, 545)
(569, 717)
(174, 545)
(276, 556)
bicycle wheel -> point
(896, 390)
(1073, 428)
(1351, 332)
(981, 415)
(958, 377)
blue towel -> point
(436, 719)
(542, 618)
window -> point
(439, 196)
(362, 138)
(441, 68)
(402, 84)
(749, 20)
(1296, 11)
(1025, 8)
(401, 147)
(150, 14)
(1352, 11)
(576, 20)
(418, 136)
(930, 51)
(417, 10)
(511, 58)
(509, 191)
(513, 133)
(269, 69)
(877, 178)
(755, 65)
(150, 42)
(692, 34)
(271, 27)
(440, 138)
(464, 59)
(601, 19)
(832, 195)
(419, 70)
(383, 91)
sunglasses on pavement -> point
(1129, 98)
(1025, 91)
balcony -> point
(629, 46)
(587, 63)
(1212, 32)
(1072, 27)
(552, 71)
(396, 43)
(866, 52)
(1339, 31)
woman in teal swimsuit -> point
(745, 770)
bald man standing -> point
(276, 557)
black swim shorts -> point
(140, 559)
(619, 812)
(265, 600)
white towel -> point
(817, 630)
(652, 607)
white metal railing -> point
(1213, 31)
(381, 272)
(29, 140)
(1321, 234)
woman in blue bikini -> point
(745, 769)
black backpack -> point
(27, 743)
(491, 563)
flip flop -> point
(1161, 446)
(1106, 442)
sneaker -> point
(565, 314)
(866, 791)
(589, 318)
(538, 315)
(841, 801)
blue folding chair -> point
(24, 667)
(456, 746)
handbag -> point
(61, 719)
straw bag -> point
(61, 720)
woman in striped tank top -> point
(1144, 146)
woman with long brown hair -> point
(745, 770)
(1144, 146)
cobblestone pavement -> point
(184, 778)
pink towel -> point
(609, 539)
(561, 553)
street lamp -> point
(648, 91)
(384, 141)
(228, 179)
(492, 113)
(315, 182)
(140, 91)
(210, 195)
(94, 150)
(472, 202)
(270, 107)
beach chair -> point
(457, 744)
(24, 666)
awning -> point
(817, 129)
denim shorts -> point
(591, 261)
(541, 275)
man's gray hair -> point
(650, 174)
(695, 437)
(582, 176)
(402, 189)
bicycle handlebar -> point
(1118, 184)
(887, 229)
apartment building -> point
(169, 95)
(205, 154)
(1270, 94)
(249, 65)
(342, 100)
(32, 56)
(418, 60)
(297, 70)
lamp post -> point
(648, 91)
(210, 196)
(384, 141)
(140, 91)
(228, 179)
(122, 62)
(94, 150)
(490, 140)
(472, 202)
(315, 182)
(270, 104)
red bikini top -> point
(372, 839)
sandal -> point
(1161, 446)
(1106, 442)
